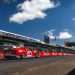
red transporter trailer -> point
(44, 53)
(20, 52)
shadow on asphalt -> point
(31, 59)
(72, 72)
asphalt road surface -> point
(56, 65)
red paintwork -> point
(43, 53)
(50, 53)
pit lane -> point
(10, 67)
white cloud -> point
(64, 35)
(50, 34)
(30, 10)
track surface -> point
(13, 67)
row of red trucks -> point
(23, 52)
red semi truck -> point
(20, 52)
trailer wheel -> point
(23, 56)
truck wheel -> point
(23, 56)
(37, 55)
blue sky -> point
(55, 21)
